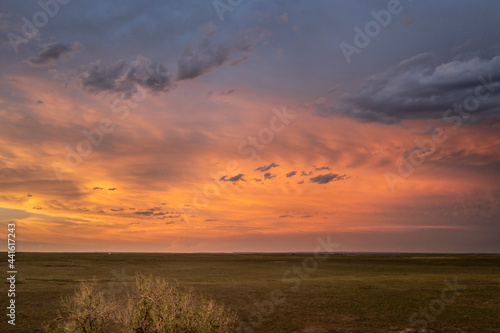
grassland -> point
(350, 293)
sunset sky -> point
(221, 126)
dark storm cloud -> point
(325, 179)
(291, 174)
(51, 52)
(124, 77)
(424, 87)
(267, 167)
(202, 56)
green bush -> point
(154, 306)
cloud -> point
(325, 179)
(291, 174)
(236, 178)
(227, 92)
(124, 77)
(112, 189)
(267, 167)
(146, 213)
(424, 87)
(282, 18)
(220, 95)
(321, 168)
(52, 52)
(431, 130)
(98, 188)
(268, 175)
(205, 55)
(4, 22)
(303, 173)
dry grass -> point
(155, 306)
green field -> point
(344, 293)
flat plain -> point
(284, 292)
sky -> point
(243, 126)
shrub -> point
(86, 312)
(154, 306)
